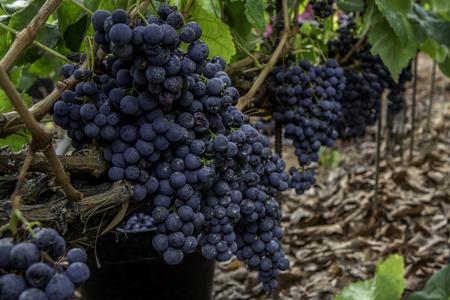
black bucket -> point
(132, 270)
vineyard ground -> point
(332, 237)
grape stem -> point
(42, 139)
(185, 13)
(255, 60)
(153, 6)
(139, 8)
(28, 34)
(16, 215)
(248, 98)
(36, 43)
(82, 7)
(222, 12)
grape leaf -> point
(395, 17)
(427, 23)
(6, 105)
(437, 287)
(436, 51)
(386, 43)
(444, 66)
(440, 7)
(356, 291)
(387, 284)
(254, 11)
(351, 5)
(215, 34)
(73, 24)
(238, 24)
(15, 75)
(14, 141)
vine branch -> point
(186, 10)
(248, 98)
(28, 34)
(42, 140)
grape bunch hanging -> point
(167, 121)
(306, 103)
(367, 78)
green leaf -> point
(436, 51)
(387, 284)
(372, 16)
(6, 105)
(108, 5)
(356, 291)
(215, 34)
(386, 43)
(254, 10)
(4, 44)
(444, 66)
(436, 288)
(238, 24)
(440, 7)
(395, 17)
(15, 76)
(73, 24)
(16, 141)
(427, 23)
(351, 5)
(21, 18)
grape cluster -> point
(322, 8)
(34, 269)
(139, 222)
(167, 121)
(361, 101)
(397, 89)
(307, 105)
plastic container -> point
(131, 270)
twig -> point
(141, 7)
(255, 60)
(377, 165)
(222, 12)
(40, 45)
(82, 7)
(185, 12)
(42, 140)
(231, 68)
(430, 103)
(153, 6)
(93, 164)
(28, 34)
(214, 8)
(413, 110)
(248, 98)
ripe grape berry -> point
(35, 269)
